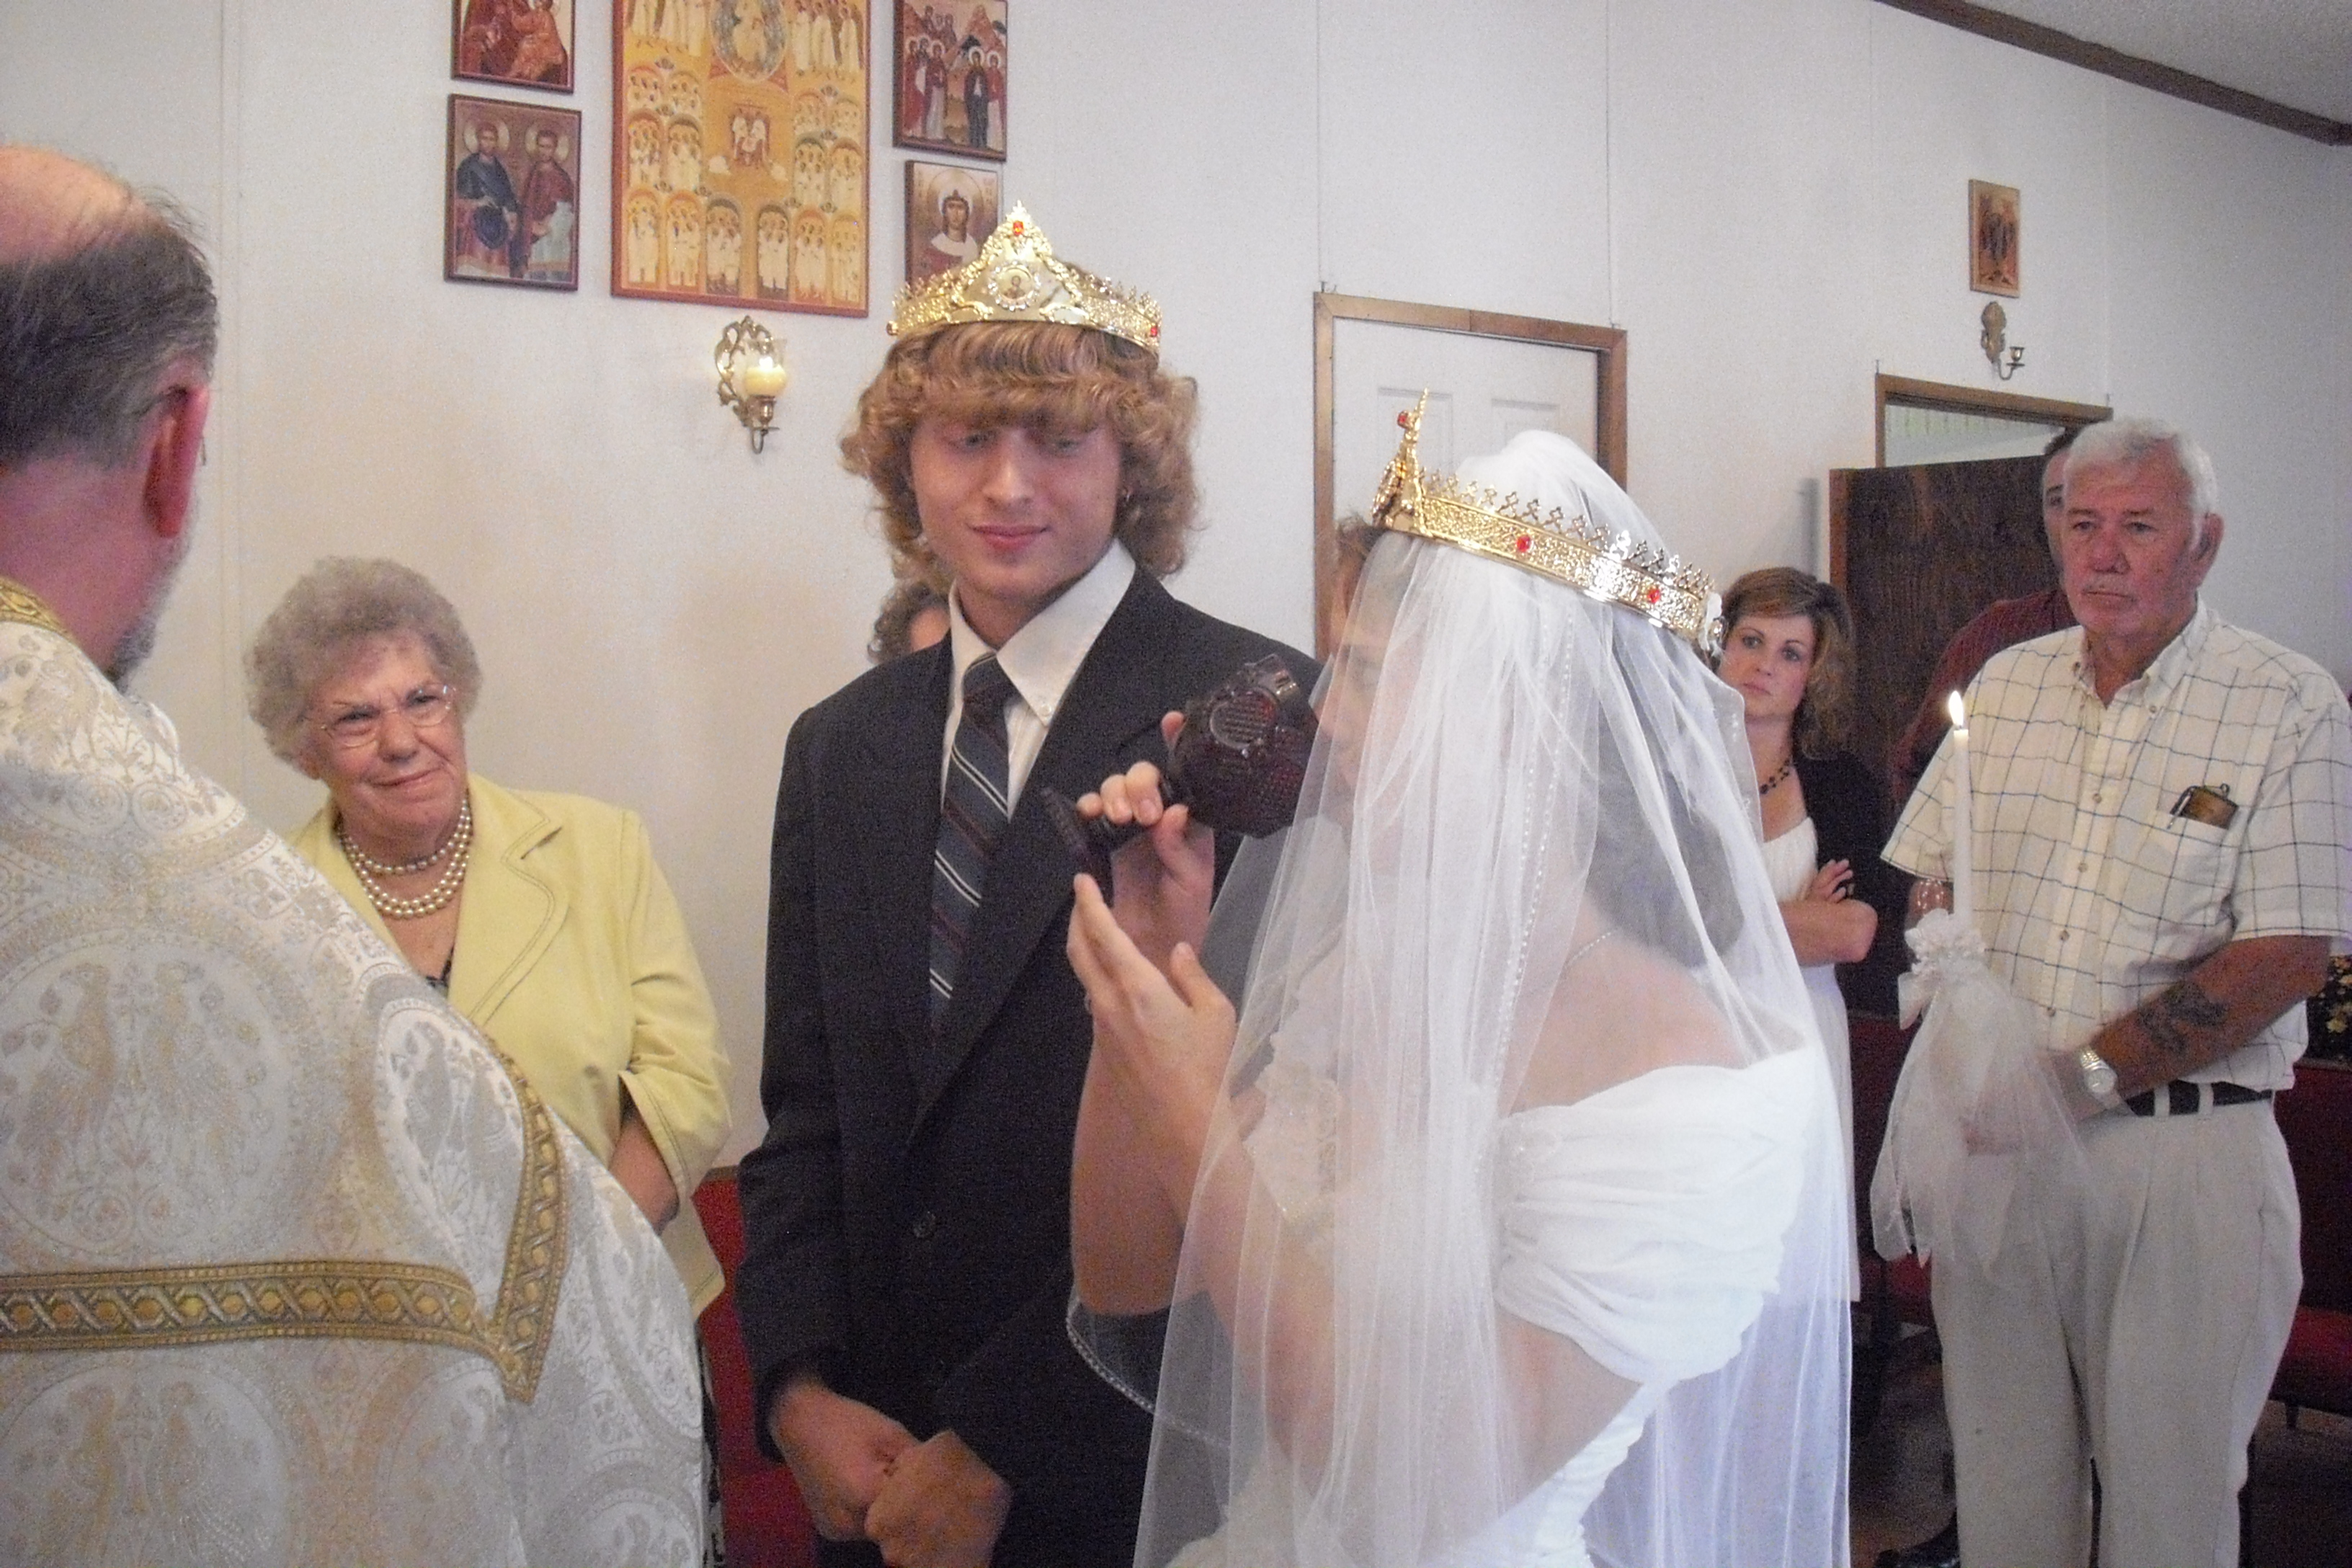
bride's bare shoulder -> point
(1612, 1021)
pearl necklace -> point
(1769, 785)
(460, 847)
(361, 858)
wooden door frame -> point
(1909, 393)
(1607, 344)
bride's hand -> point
(1164, 1040)
(1164, 881)
(1831, 883)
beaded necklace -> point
(459, 846)
(361, 858)
(1769, 785)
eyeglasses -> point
(426, 708)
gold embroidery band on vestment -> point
(128, 1308)
(142, 1308)
(18, 603)
(538, 1244)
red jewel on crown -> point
(1404, 419)
(1018, 226)
(1655, 594)
(1523, 543)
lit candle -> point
(764, 378)
(1963, 862)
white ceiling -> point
(2296, 52)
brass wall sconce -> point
(2006, 358)
(751, 376)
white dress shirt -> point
(1040, 659)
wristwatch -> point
(2098, 1077)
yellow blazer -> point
(572, 958)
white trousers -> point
(2137, 1325)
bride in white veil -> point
(1507, 1215)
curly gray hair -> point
(338, 603)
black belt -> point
(2187, 1099)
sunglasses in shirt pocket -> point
(2208, 804)
(2176, 900)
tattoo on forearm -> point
(2182, 1020)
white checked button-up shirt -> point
(2092, 894)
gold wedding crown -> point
(1571, 549)
(1016, 277)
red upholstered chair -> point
(2316, 1116)
(2315, 1372)
(767, 1525)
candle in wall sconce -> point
(751, 376)
(765, 378)
(1963, 862)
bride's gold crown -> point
(1016, 277)
(1570, 550)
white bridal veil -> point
(1541, 1135)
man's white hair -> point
(2128, 442)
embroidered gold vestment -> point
(292, 1270)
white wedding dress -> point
(1644, 1223)
(1791, 861)
(1524, 859)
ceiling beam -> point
(2164, 78)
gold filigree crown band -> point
(1016, 277)
(1573, 549)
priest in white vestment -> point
(293, 1269)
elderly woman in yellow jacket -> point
(542, 917)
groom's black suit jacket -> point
(908, 1217)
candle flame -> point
(1959, 712)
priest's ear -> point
(174, 451)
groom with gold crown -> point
(907, 1269)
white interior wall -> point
(2228, 259)
(1769, 200)
(1745, 257)
(1948, 107)
(1464, 158)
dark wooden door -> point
(1919, 552)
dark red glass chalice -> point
(1237, 763)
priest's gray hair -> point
(2130, 441)
(89, 334)
(338, 605)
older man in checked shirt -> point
(2163, 831)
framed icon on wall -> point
(740, 152)
(515, 43)
(948, 76)
(1994, 231)
(510, 202)
(950, 210)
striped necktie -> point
(973, 810)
